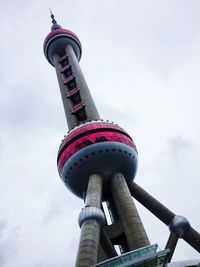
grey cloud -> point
(54, 211)
(3, 226)
(8, 243)
(177, 145)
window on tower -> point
(64, 60)
(72, 84)
(76, 98)
(74, 95)
(68, 72)
(81, 115)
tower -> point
(97, 161)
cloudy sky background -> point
(142, 63)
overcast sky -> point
(141, 60)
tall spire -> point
(53, 19)
(55, 26)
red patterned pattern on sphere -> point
(91, 126)
(85, 136)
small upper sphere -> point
(57, 40)
(95, 148)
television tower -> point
(97, 161)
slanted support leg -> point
(171, 244)
(177, 224)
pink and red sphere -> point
(95, 148)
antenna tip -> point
(52, 16)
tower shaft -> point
(77, 100)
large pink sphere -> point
(95, 148)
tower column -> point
(67, 104)
(134, 230)
(90, 220)
(85, 95)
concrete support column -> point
(134, 230)
(90, 220)
(94, 191)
